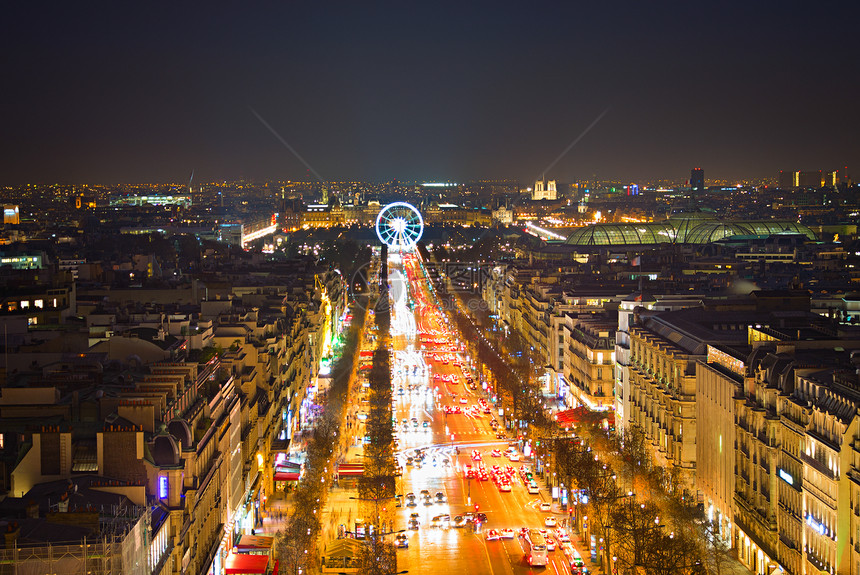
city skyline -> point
(427, 93)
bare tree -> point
(377, 557)
(673, 553)
(599, 483)
(717, 551)
(636, 524)
(634, 455)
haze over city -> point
(456, 91)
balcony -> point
(788, 543)
(817, 465)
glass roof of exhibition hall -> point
(680, 230)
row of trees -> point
(641, 528)
(376, 488)
(296, 544)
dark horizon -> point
(455, 92)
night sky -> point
(148, 92)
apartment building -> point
(796, 483)
(589, 360)
(777, 461)
(665, 348)
(544, 311)
(719, 379)
(189, 434)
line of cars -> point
(501, 476)
(444, 521)
(404, 423)
(552, 539)
(496, 534)
(528, 480)
(426, 499)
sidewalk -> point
(339, 509)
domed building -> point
(685, 221)
(622, 234)
(709, 232)
(165, 451)
(694, 228)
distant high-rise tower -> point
(697, 180)
(544, 191)
(11, 215)
(801, 179)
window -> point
(25, 304)
(39, 303)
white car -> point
(514, 457)
(550, 521)
(545, 506)
(562, 535)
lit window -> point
(25, 304)
(39, 303)
(32, 321)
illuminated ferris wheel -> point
(399, 225)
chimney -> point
(13, 531)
